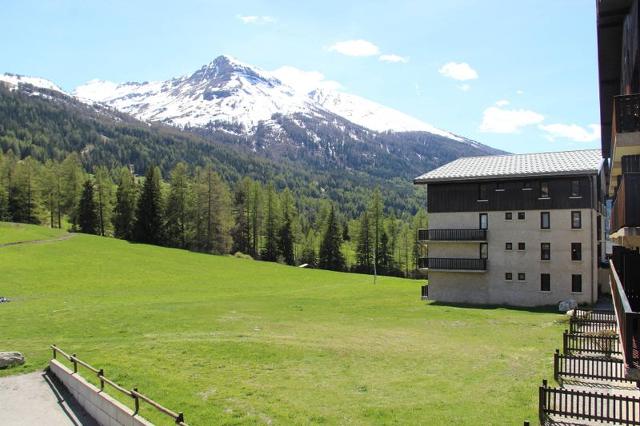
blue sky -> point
(516, 75)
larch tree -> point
(270, 250)
(179, 207)
(124, 212)
(104, 198)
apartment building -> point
(618, 26)
(522, 230)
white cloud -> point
(572, 132)
(304, 81)
(499, 120)
(519, 92)
(355, 48)
(393, 58)
(502, 102)
(458, 71)
(465, 87)
(255, 19)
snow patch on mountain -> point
(14, 81)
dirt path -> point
(36, 399)
(60, 238)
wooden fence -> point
(587, 367)
(604, 345)
(586, 405)
(134, 394)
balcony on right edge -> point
(625, 210)
(454, 235)
(625, 138)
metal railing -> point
(626, 113)
(133, 393)
(586, 325)
(453, 264)
(452, 234)
(599, 345)
(627, 319)
(585, 405)
(625, 210)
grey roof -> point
(516, 165)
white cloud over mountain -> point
(355, 48)
(500, 120)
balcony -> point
(473, 235)
(625, 134)
(452, 264)
(625, 211)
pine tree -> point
(50, 184)
(385, 260)
(213, 213)
(72, 179)
(23, 194)
(255, 207)
(377, 226)
(364, 248)
(88, 221)
(104, 198)
(242, 214)
(178, 207)
(148, 226)
(124, 212)
(345, 232)
(270, 250)
(286, 239)
(330, 256)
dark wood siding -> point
(463, 196)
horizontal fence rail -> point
(134, 394)
(599, 315)
(586, 405)
(452, 234)
(628, 320)
(565, 366)
(454, 264)
(604, 345)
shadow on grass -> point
(548, 309)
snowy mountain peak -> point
(229, 91)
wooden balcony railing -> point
(452, 234)
(452, 264)
(627, 318)
(626, 207)
(626, 113)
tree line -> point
(194, 208)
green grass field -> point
(236, 341)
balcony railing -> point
(452, 234)
(625, 211)
(627, 113)
(452, 264)
(628, 320)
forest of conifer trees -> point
(195, 209)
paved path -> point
(36, 399)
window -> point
(576, 283)
(526, 186)
(482, 191)
(508, 216)
(521, 276)
(520, 215)
(508, 276)
(576, 220)
(499, 186)
(484, 250)
(484, 221)
(576, 251)
(545, 282)
(545, 251)
(508, 246)
(544, 189)
(575, 188)
(545, 220)
(521, 246)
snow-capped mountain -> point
(229, 91)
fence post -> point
(53, 348)
(180, 418)
(101, 377)
(541, 404)
(556, 361)
(565, 341)
(136, 401)
(75, 363)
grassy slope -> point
(235, 341)
(14, 232)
